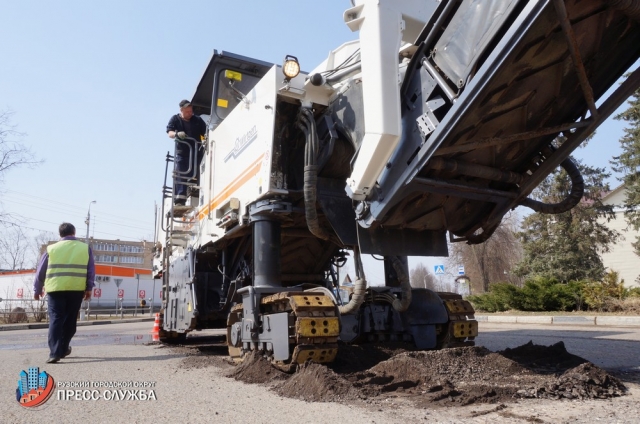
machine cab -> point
(226, 81)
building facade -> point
(136, 254)
(124, 253)
(115, 286)
(622, 257)
(123, 276)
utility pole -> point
(137, 294)
(155, 223)
(88, 220)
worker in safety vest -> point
(67, 272)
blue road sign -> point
(461, 270)
(439, 269)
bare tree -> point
(15, 249)
(493, 260)
(13, 153)
(18, 250)
(39, 244)
(421, 278)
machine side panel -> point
(180, 297)
(239, 155)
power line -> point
(76, 207)
(32, 204)
(56, 223)
(24, 226)
(77, 214)
(93, 217)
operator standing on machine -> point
(187, 127)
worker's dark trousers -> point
(63, 312)
(182, 173)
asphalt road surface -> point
(612, 348)
(111, 354)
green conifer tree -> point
(567, 246)
(628, 164)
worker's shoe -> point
(67, 353)
(193, 192)
(53, 360)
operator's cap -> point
(185, 103)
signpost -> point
(464, 285)
(153, 297)
(97, 293)
(460, 269)
(20, 293)
(439, 271)
(141, 294)
(120, 293)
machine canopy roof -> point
(202, 98)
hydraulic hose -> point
(577, 190)
(629, 7)
(402, 305)
(482, 237)
(310, 188)
(359, 288)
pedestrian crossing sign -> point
(439, 269)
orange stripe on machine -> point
(241, 180)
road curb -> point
(577, 320)
(618, 321)
(35, 326)
(534, 319)
(503, 319)
(584, 320)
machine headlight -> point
(291, 67)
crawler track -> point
(314, 327)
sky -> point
(92, 85)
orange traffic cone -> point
(155, 333)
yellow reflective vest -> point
(67, 266)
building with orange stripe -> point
(123, 271)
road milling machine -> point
(428, 129)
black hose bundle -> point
(308, 127)
(577, 190)
(629, 7)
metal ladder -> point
(170, 218)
